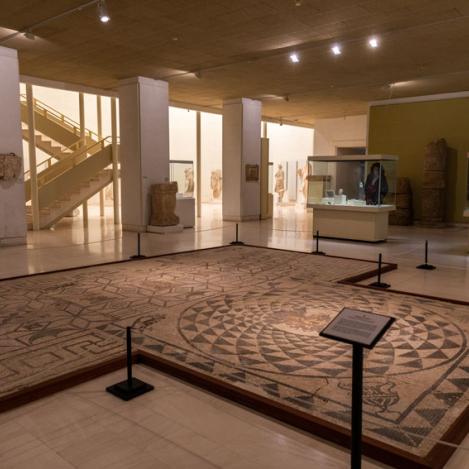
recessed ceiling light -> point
(294, 57)
(336, 49)
(103, 13)
(373, 42)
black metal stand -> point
(139, 255)
(357, 394)
(237, 242)
(317, 252)
(379, 283)
(131, 387)
(426, 266)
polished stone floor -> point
(69, 246)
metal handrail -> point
(48, 111)
(74, 156)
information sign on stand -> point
(360, 329)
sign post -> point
(361, 329)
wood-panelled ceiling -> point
(242, 47)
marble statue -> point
(189, 175)
(280, 183)
(163, 204)
(216, 183)
(10, 167)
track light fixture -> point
(103, 12)
(294, 57)
(373, 42)
(29, 35)
(336, 49)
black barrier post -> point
(317, 252)
(237, 242)
(361, 329)
(357, 396)
(131, 387)
(379, 283)
(139, 255)
(426, 266)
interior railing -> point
(56, 116)
(59, 167)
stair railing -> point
(70, 162)
(56, 116)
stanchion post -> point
(379, 283)
(237, 242)
(139, 254)
(131, 387)
(426, 266)
(357, 396)
(317, 252)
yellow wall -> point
(405, 130)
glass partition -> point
(183, 173)
(359, 181)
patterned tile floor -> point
(252, 317)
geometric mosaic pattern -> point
(250, 316)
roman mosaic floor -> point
(249, 316)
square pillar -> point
(241, 150)
(12, 199)
(144, 146)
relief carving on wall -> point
(10, 166)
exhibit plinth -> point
(165, 229)
(358, 223)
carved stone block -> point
(163, 204)
(10, 167)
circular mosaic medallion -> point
(278, 332)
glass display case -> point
(352, 195)
(358, 180)
(182, 171)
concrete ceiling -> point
(241, 48)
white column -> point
(100, 136)
(12, 203)
(32, 157)
(241, 147)
(144, 146)
(81, 103)
(115, 162)
(198, 166)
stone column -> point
(144, 146)
(12, 200)
(241, 153)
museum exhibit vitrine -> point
(352, 195)
(182, 172)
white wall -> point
(12, 205)
(289, 143)
(340, 132)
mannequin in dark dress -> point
(372, 186)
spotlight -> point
(102, 11)
(294, 58)
(29, 35)
(336, 49)
(373, 42)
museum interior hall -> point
(234, 234)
